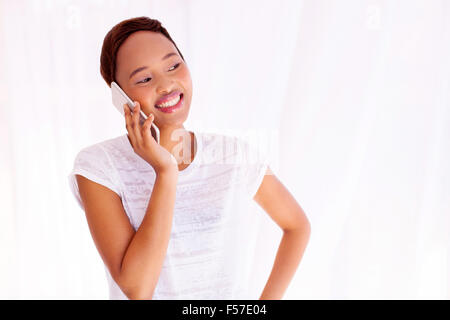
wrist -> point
(169, 172)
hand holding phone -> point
(119, 98)
(141, 139)
(144, 145)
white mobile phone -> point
(119, 98)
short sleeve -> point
(256, 163)
(93, 163)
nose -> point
(165, 86)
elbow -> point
(135, 291)
(303, 226)
(307, 226)
(139, 295)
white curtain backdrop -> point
(353, 93)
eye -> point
(144, 81)
(175, 66)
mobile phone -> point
(119, 98)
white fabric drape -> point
(354, 95)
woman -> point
(164, 217)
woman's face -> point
(160, 75)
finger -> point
(128, 124)
(147, 123)
(146, 132)
(135, 123)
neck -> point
(179, 142)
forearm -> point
(142, 262)
(289, 254)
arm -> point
(281, 206)
(134, 259)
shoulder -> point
(102, 156)
(101, 149)
(94, 163)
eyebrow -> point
(145, 67)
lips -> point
(173, 108)
(168, 97)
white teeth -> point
(170, 103)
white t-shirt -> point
(210, 246)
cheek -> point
(185, 77)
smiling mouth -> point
(170, 109)
(180, 96)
